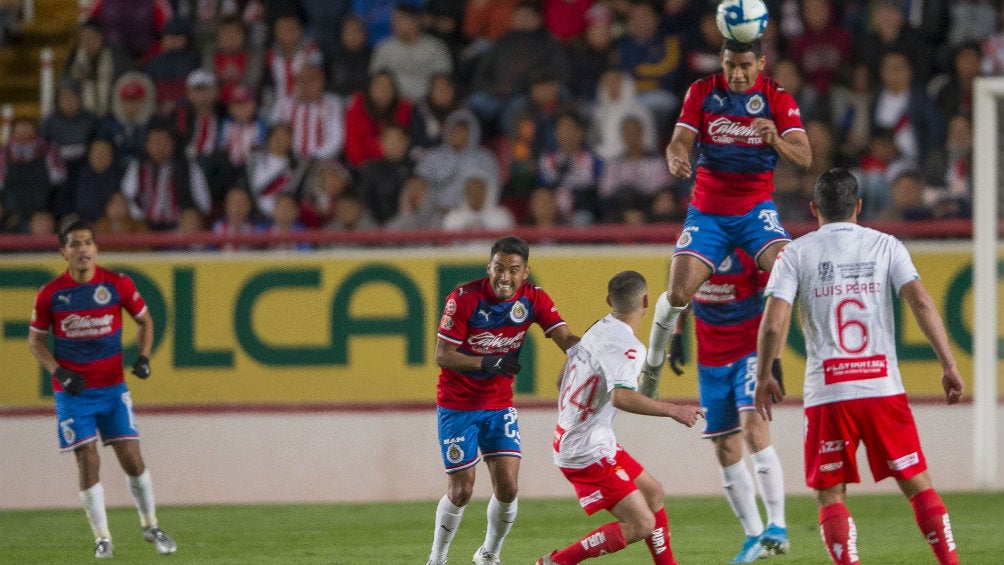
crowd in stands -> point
(242, 116)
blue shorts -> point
(463, 432)
(106, 410)
(725, 391)
(711, 237)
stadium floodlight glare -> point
(988, 99)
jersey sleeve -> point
(901, 267)
(787, 116)
(453, 323)
(41, 314)
(547, 313)
(783, 281)
(691, 114)
(622, 365)
(132, 301)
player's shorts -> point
(605, 483)
(711, 237)
(724, 392)
(884, 424)
(463, 432)
(106, 410)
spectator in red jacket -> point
(369, 111)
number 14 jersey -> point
(609, 356)
(844, 276)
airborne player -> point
(482, 329)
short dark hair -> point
(626, 290)
(740, 47)
(512, 244)
(64, 235)
(836, 194)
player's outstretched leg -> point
(448, 519)
(932, 518)
(608, 538)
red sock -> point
(932, 517)
(839, 534)
(608, 538)
(658, 542)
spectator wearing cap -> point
(97, 64)
(242, 132)
(566, 19)
(133, 105)
(233, 60)
(316, 117)
(170, 68)
(412, 55)
(291, 50)
(197, 118)
(70, 129)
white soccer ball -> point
(742, 20)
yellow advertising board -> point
(359, 327)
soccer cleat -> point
(751, 551)
(775, 539)
(482, 557)
(434, 562)
(159, 538)
(546, 560)
(648, 380)
(103, 548)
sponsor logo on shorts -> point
(831, 446)
(830, 467)
(590, 498)
(622, 474)
(904, 462)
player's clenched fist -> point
(141, 368)
(500, 364)
(72, 381)
(685, 414)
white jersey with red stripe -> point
(609, 356)
(844, 276)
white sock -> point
(770, 481)
(662, 329)
(447, 521)
(501, 515)
(142, 492)
(94, 506)
(741, 494)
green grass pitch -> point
(703, 532)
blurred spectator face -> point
(288, 31)
(190, 221)
(643, 21)
(243, 111)
(230, 37)
(741, 69)
(542, 208)
(895, 72)
(631, 134)
(413, 194)
(525, 18)
(382, 90)
(907, 192)
(475, 193)
(599, 31)
(612, 82)
(405, 26)
(237, 206)
(310, 83)
(545, 93)
(173, 42)
(967, 64)
(286, 211)
(442, 93)
(101, 155)
(709, 30)
(633, 217)
(280, 140)
(664, 205)
(861, 78)
(568, 135)
(887, 20)
(68, 102)
(91, 40)
(786, 73)
(816, 14)
(883, 148)
(159, 145)
(23, 131)
(821, 141)
(349, 211)
(353, 34)
(959, 132)
(202, 97)
(117, 207)
(394, 143)
(459, 135)
(42, 223)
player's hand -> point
(72, 381)
(648, 380)
(951, 381)
(676, 354)
(141, 368)
(767, 130)
(679, 166)
(767, 393)
(775, 367)
(686, 414)
(500, 364)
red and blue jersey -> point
(480, 324)
(735, 168)
(86, 322)
(727, 311)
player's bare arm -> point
(678, 152)
(144, 333)
(37, 346)
(773, 328)
(563, 337)
(792, 146)
(448, 357)
(930, 323)
(637, 403)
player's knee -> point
(459, 495)
(506, 492)
(679, 296)
(638, 528)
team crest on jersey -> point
(101, 295)
(446, 322)
(454, 453)
(825, 272)
(451, 307)
(518, 313)
(754, 105)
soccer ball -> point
(742, 20)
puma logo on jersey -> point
(485, 314)
(64, 298)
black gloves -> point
(676, 353)
(775, 367)
(141, 368)
(499, 364)
(72, 381)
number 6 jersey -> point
(609, 356)
(844, 276)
